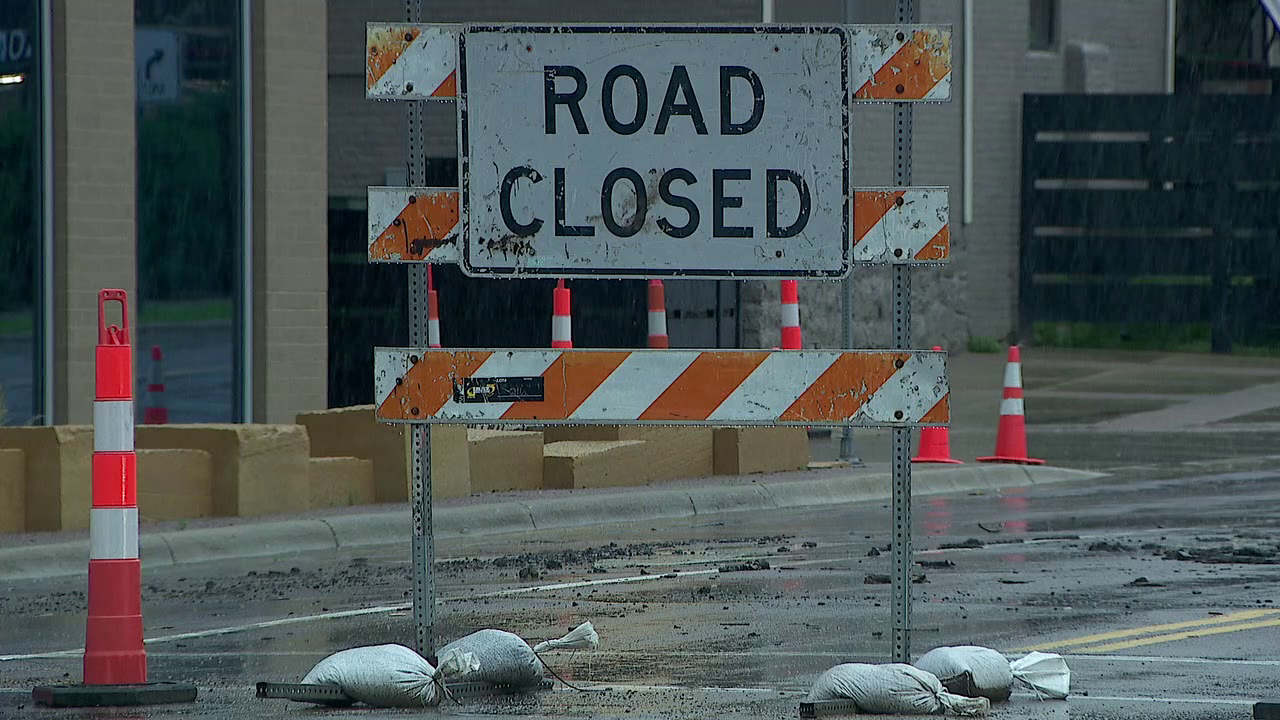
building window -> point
(190, 269)
(21, 221)
(1042, 25)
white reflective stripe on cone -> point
(561, 327)
(112, 425)
(790, 315)
(433, 331)
(113, 533)
(1011, 406)
(1013, 375)
(657, 322)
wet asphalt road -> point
(1057, 567)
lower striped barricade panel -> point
(870, 388)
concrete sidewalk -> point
(1099, 409)
(57, 554)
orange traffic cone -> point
(561, 320)
(935, 443)
(156, 413)
(1011, 438)
(433, 312)
(658, 315)
(792, 337)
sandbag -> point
(892, 689)
(388, 675)
(970, 670)
(504, 658)
(583, 637)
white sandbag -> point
(388, 675)
(504, 658)
(970, 670)
(583, 637)
(1045, 673)
(892, 689)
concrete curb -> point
(270, 539)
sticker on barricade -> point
(870, 388)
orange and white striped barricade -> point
(669, 387)
(558, 179)
(115, 662)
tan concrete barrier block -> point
(505, 460)
(450, 462)
(174, 484)
(257, 469)
(684, 452)
(743, 451)
(59, 470)
(353, 432)
(575, 464)
(340, 482)
(13, 491)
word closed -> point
(597, 150)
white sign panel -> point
(155, 54)
(661, 151)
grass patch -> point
(984, 345)
(185, 311)
(1159, 337)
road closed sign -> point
(654, 151)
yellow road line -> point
(1151, 629)
(1111, 647)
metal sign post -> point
(419, 436)
(692, 151)
(901, 579)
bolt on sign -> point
(671, 150)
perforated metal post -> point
(901, 582)
(423, 548)
(848, 452)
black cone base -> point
(156, 693)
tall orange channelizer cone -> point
(658, 315)
(1011, 438)
(433, 312)
(935, 443)
(561, 317)
(792, 339)
(156, 413)
(115, 661)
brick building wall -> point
(93, 174)
(290, 313)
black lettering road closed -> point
(699, 151)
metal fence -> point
(1152, 209)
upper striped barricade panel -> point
(870, 388)
(901, 226)
(411, 62)
(900, 63)
(414, 225)
(888, 63)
